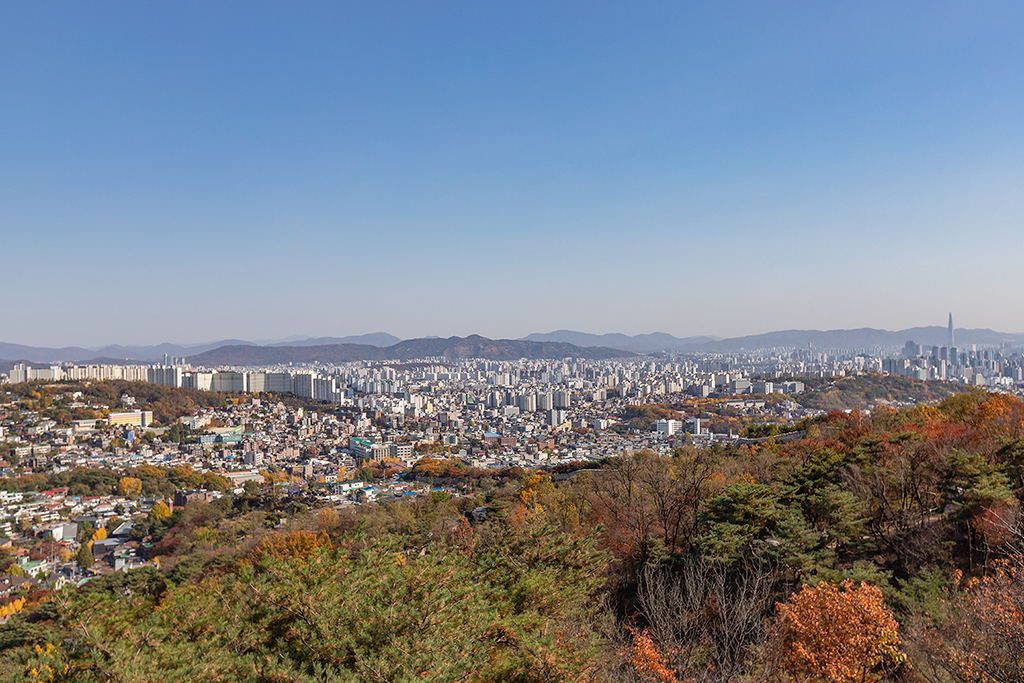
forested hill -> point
(452, 348)
(866, 391)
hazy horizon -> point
(246, 170)
(298, 338)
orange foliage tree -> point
(646, 660)
(839, 634)
(299, 545)
(983, 639)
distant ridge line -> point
(453, 348)
(865, 337)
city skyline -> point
(926, 337)
(255, 171)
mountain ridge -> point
(865, 337)
(639, 343)
(155, 352)
(452, 348)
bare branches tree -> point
(710, 621)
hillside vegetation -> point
(864, 391)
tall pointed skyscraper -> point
(950, 340)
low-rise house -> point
(9, 584)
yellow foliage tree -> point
(129, 486)
(274, 477)
(298, 545)
(187, 477)
(12, 607)
(205, 536)
(160, 511)
(100, 534)
(537, 491)
(327, 518)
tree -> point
(215, 482)
(205, 536)
(837, 634)
(160, 511)
(185, 477)
(129, 486)
(978, 633)
(84, 556)
(709, 621)
(647, 660)
(748, 519)
(516, 610)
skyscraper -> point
(950, 340)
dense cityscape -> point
(357, 430)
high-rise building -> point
(668, 427)
(165, 375)
(950, 340)
(19, 373)
(229, 381)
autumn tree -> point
(129, 486)
(84, 556)
(160, 511)
(299, 545)
(517, 609)
(978, 634)
(708, 620)
(837, 634)
(205, 536)
(646, 660)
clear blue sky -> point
(193, 171)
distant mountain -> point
(452, 348)
(865, 337)
(640, 343)
(381, 339)
(43, 355)
(37, 354)
(155, 353)
(832, 339)
(558, 344)
(6, 365)
(475, 346)
(282, 355)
